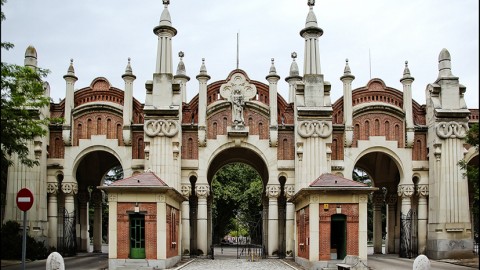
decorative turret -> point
(311, 33)
(407, 80)
(347, 80)
(293, 78)
(272, 79)
(31, 57)
(182, 77)
(202, 78)
(160, 99)
(70, 79)
(128, 78)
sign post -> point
(24, 203)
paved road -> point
(83, 261)
(99, 261)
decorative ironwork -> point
(69, 244)
(408, 235)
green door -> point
(137, 236)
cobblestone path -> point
(227, 264)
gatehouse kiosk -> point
(331, 220)
(144, 222)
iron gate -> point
(67, 245)
(408, 235)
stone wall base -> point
(114, 264)
(438, 249)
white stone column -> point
(97, 220)
(273, 191)
(112, 225)
(186, 191)
(363, 227)
(52, 213)
(83, 215)
(377, 222)
(202, 191)
(422, 191)
(289, 222)
(405, 191)
(391, 206)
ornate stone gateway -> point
(408, 150)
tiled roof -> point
(331, 180)
(140, 180)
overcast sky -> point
(377, 36)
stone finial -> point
(311, 19)
(406, 73)
(203, 70)
(444, 64)
(128, 69)
(347, 73)
(30, 57)
(165, 19)
(294, 67)
(273, 70)
(181, 66)
(346, 70)
(311, 3)
(71, 70)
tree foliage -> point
(22, 98)
(237, 190)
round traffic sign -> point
(24, 199)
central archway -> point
(249, 161)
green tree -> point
(21, 121)
(237, 190)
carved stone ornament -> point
(168, 128)
(70, 188)
(112, 197)
(363, 198)
(422, 190)
(186, 190)
(273, 191)
(378, 198)
(97, 197)
(52, 188)
(202, 191)
(83, 197)
(237, 91)
(391, 199)
(314, 128)
(451, 130)
(289, 191)
(405, 190)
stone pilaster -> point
(202, 191)
(186, 191)
(422, 192)
(52, 212)
(391, 201)
(289, 191)
(272, 192)
(378, 201)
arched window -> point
(109, 128)
(285, 149)
(387, 130)
(377, 127)
(190, 148)
(89, 128)
(214, 130)
(367, 129)
(99, 125)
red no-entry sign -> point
(24, 199)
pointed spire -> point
(311, 18)
(30, 57)
(181, 66)
(293, 66)
(406, 73)
(165, 19)
(203, 70)
(347, 73)
(128, 70)
(273, 71)
(444, 64)
(70, 71)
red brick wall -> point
(350, 210)
(303, 233)
(101, 123)
(420, 147)
(123, 229)
(286, 146)
(173, 218)
(190, 145)
(56, 147)
(378, 124)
